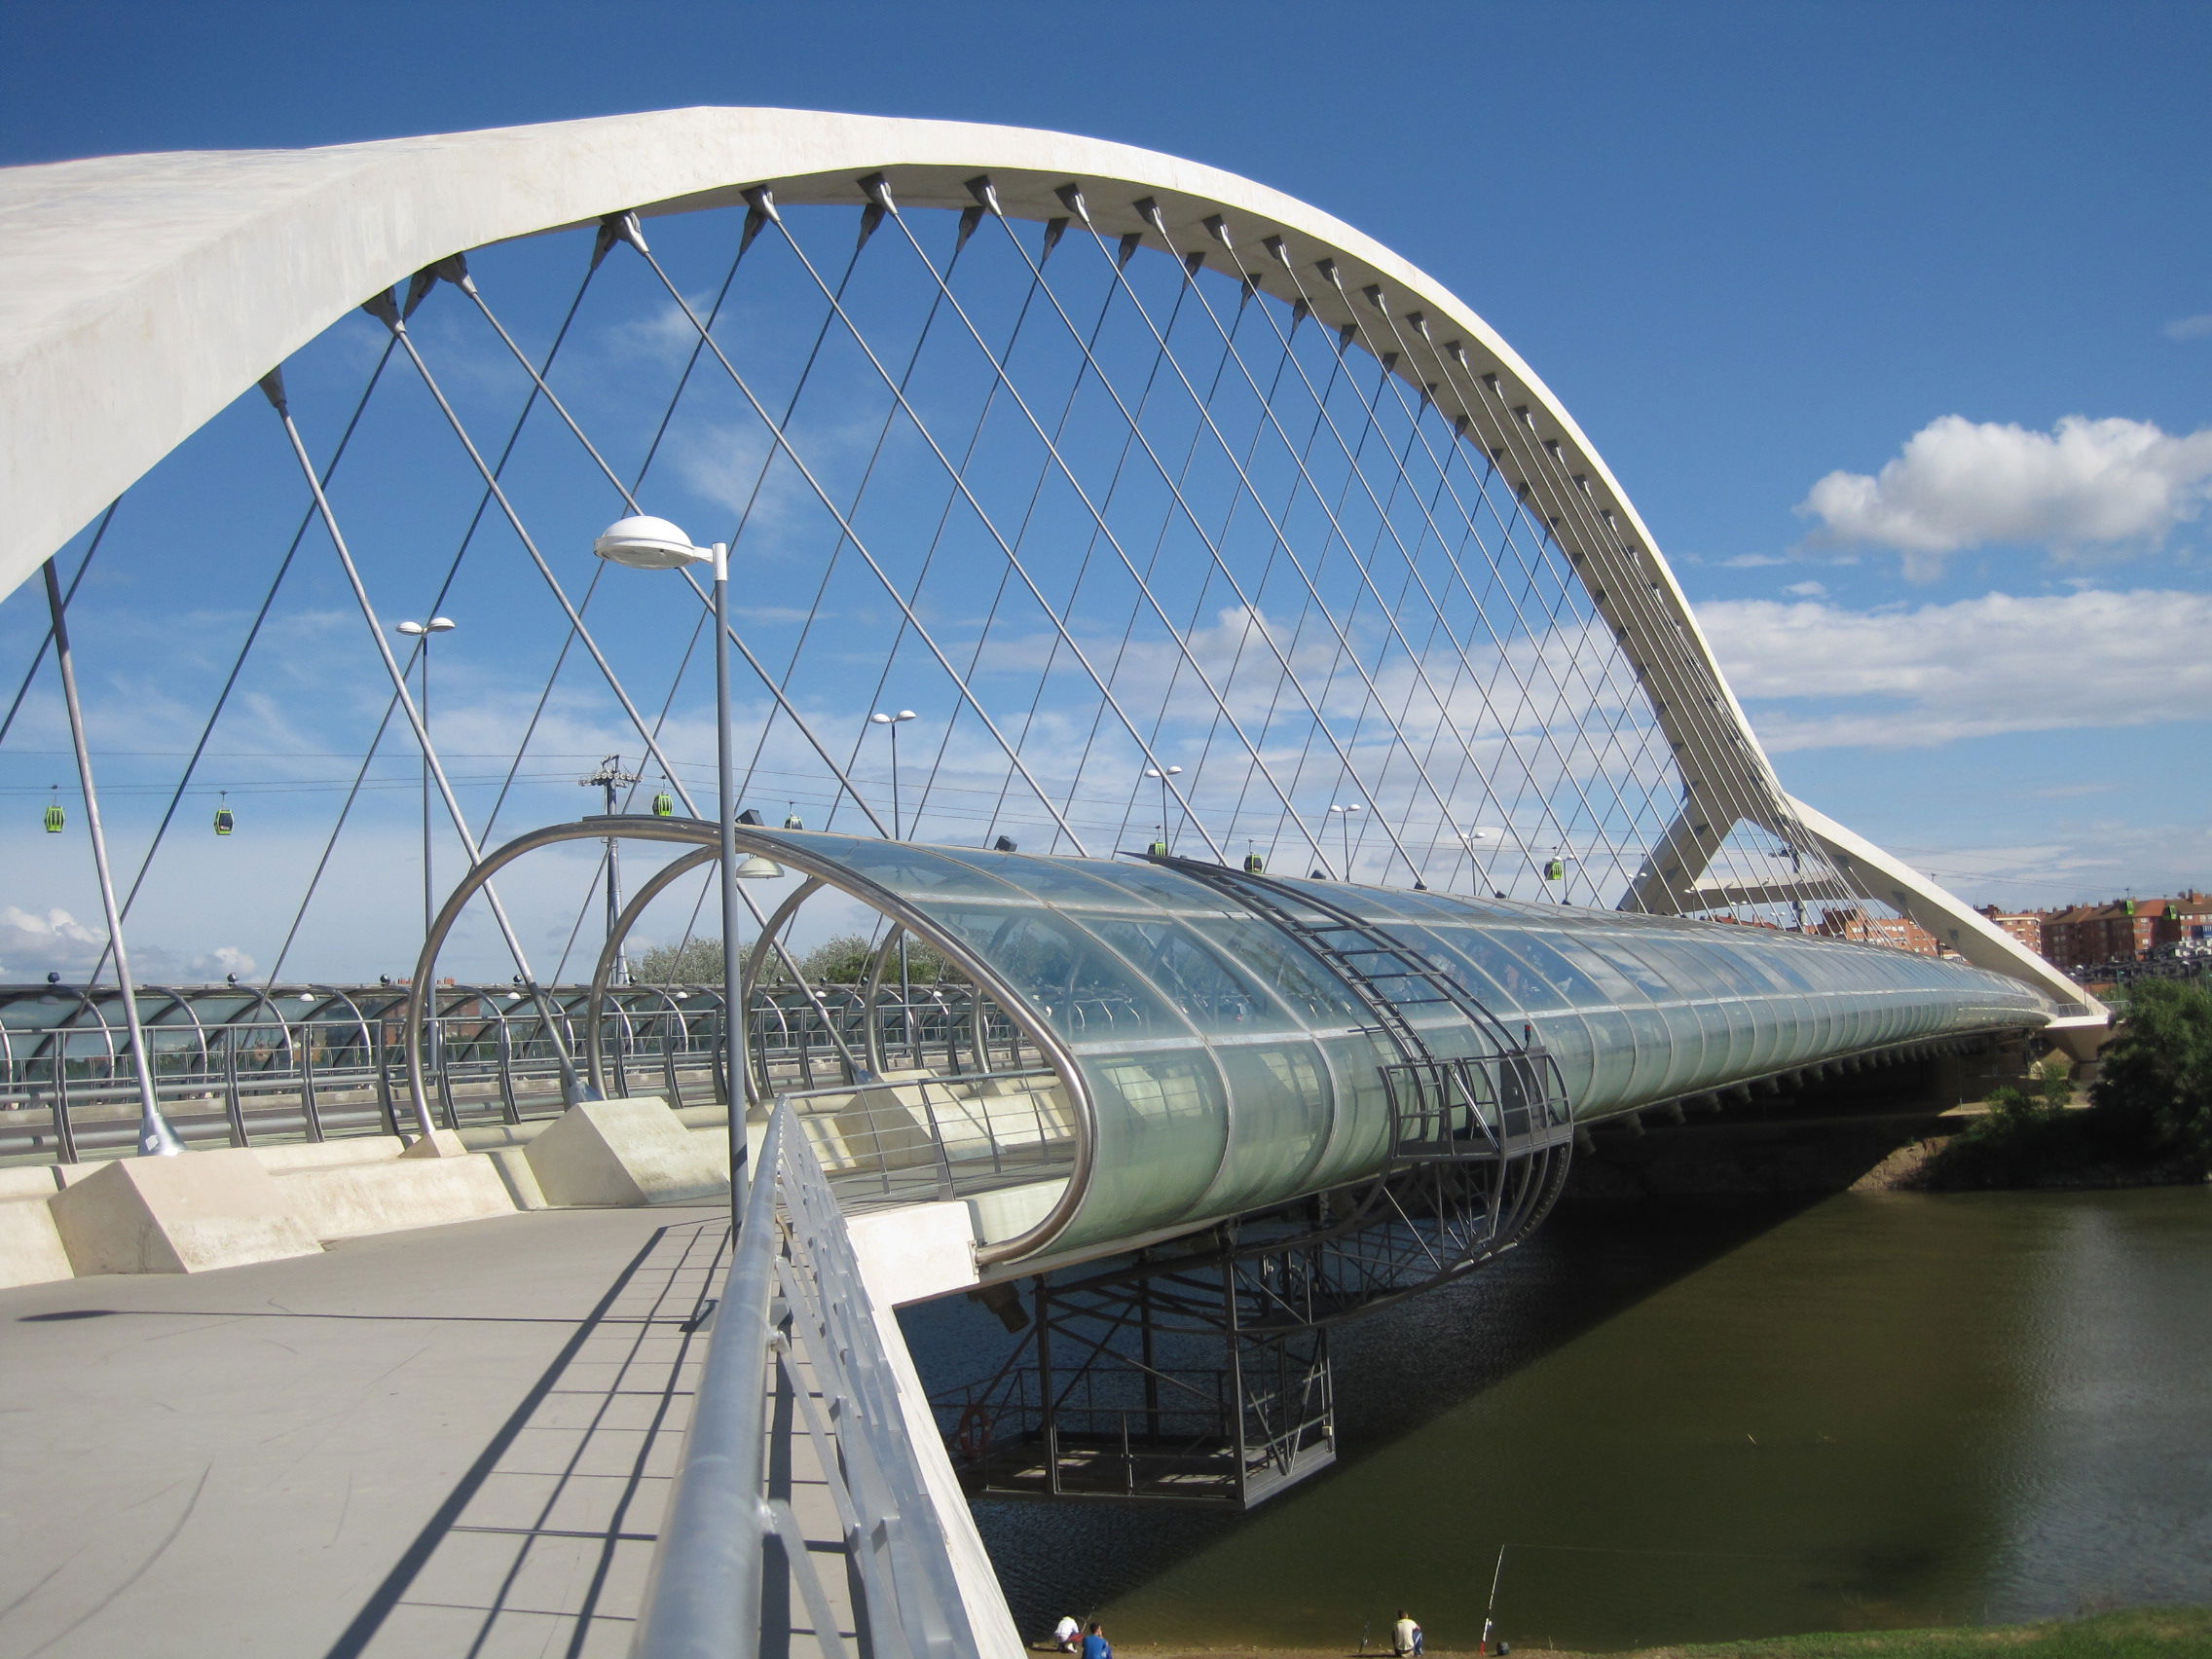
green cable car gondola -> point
(1254, 865)
(224, 821)
(1556, 870)
(792, 819)
(55, 816)
(664, 805)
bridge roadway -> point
(455, 1440)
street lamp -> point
(1467, 841)
(421, 633)
(894, 721)
(1162, 773)
(1346, 809)
(643, 542)
(905, 976)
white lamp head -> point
(411, 629)
(754, 868)
(438, 625)
(648, 543)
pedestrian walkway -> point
(451, 1441)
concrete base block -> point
(30, 1249)
(513, 1164)
(623, 1153)
(346, 1200)
(438, 1143)
(30, 1181)
(914, 1252)
(177, 1215)
(318, 1155)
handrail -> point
(794, 1297)
(703, 1596)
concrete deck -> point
(454, 1440)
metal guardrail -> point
(70, 1091)
(795, 1324)
(911, 1136)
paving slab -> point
(452, 1440)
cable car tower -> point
(606, 779)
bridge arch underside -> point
(1212, 1063)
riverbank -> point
(2137, 1633)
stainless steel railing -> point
(68, 1088)
(912, 1136)
(800, 1385)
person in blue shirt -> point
(1094, 1643)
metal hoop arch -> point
(697, 832)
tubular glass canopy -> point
(1226, 1067)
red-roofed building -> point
(2026, 926)
(2124, 930)
(1898, 933)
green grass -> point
(2151, 1632)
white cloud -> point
(1807, 590)
(1752, 561)
(1974, 668)
(1961, 483)
(2197, 327)
(33, 944)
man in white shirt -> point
(1405, 1636)
(1067, 1633)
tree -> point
(844, 959)
(2154, 1094)
(688, 962)
(841, 960)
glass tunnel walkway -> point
(1119, 1052)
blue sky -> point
(1761, 253)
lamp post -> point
(422, 633)
(647, 543)
(1344, 811)
(906, 974)
(1162, 773)
(1467, 841)
(894, 721)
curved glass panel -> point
(1230, 1064)
(1230, 1059)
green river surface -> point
(1688, 1422)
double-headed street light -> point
(1342, 811)
(643, 542)
(1162, 773)
(424, 633)
(894, 721)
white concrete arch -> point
(140, 294)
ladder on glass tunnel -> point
(1503, 1103)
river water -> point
(1685, 1423)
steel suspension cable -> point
(273, 384)
(782, 440)
(46, 640)
(879, 191)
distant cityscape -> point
(2118, 939)
(2101, 943)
